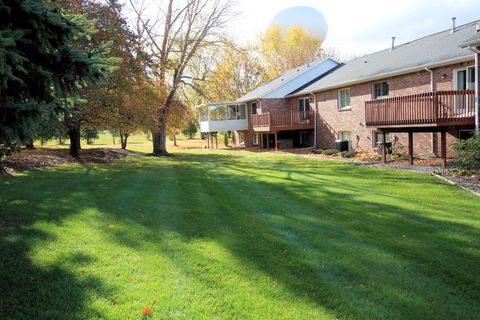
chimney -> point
(453, 24)
(393, 44)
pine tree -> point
(40, 67)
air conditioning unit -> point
(342, 145)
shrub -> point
(330, 152)
(468, 154)
(348, 154)
(396, 155)
(89, 135)
(8, 149)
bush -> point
(468, 154)
(89, 135)
(395, 155)
(330, 152)
(8, 149)
(348, 154)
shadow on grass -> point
(308, 225)
(30, 291)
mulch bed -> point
(49, 157)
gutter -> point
(477, 115)
(431, 77)
(315, 120)
(433, 135)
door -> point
(304, 110)
(464, 80)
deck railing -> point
(282, 119)
(439, 107)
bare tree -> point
(179, 32)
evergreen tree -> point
(40, 67)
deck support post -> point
(276, 141)
(208, 140)
(410, 147)
(444, 148)
(216, 141)
(268, 140)
(261, 140)
(384, 147)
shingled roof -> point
(436, 49)
(292, 80)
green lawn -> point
(236, 235)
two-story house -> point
(420, 96)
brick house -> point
(264, 116)
(420, 96)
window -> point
(304, 104)
(305, 138)
(254, 108)
(218, 113)
(344, 99)
(465, 134)
(377, 138)
(203, 114)
(236, 112)
(344, 135)
(255, 139)
(380, 89)
(464, 79)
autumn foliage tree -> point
(108, 105)
(283, 49)
(225, 73)
(181, 31)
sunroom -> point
(222, 117)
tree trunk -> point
(29, 145)
(159, 139)
(123, 140)
(73, 130)
(175, 140)
(113, 138)
(74, 135)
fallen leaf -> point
(147, 312)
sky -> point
(360, 27)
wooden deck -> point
(282, 121)
(430, 109)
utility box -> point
(342, 145)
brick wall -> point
(263, 106)
(331, 120)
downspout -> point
(477, 116)
(431, 78)
(431, 90)
(315, 120)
